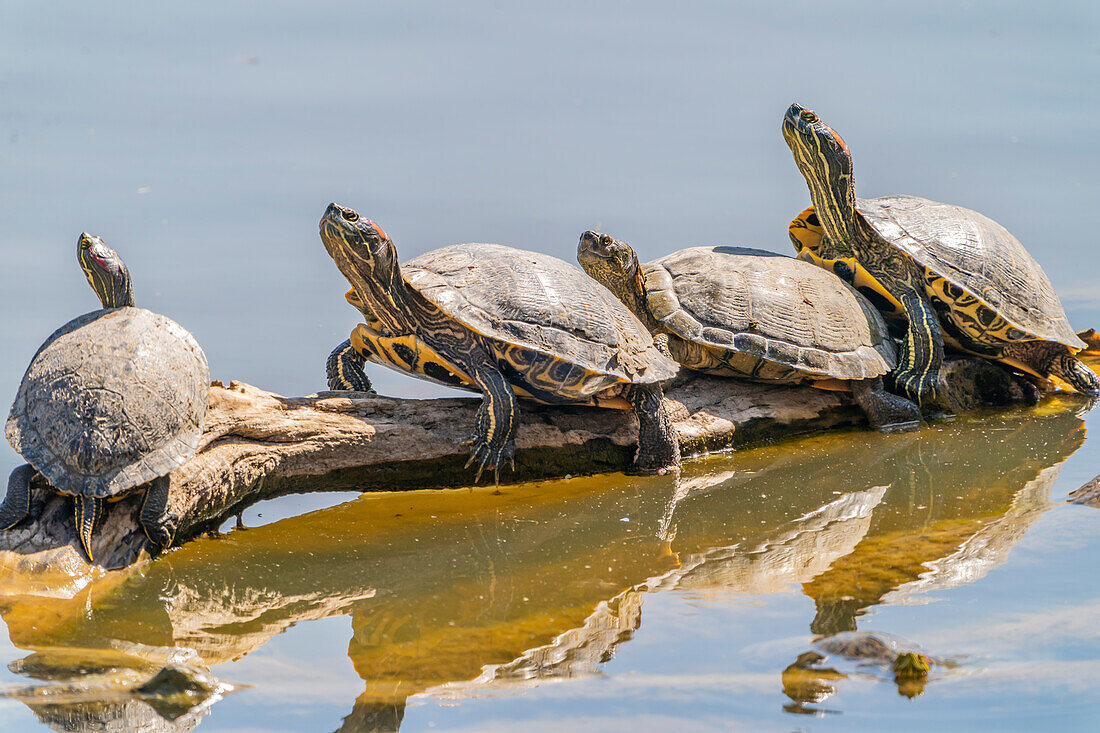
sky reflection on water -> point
(203, 142)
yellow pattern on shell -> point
(409, 354)
(974, 318)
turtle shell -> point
(539, 304)
(867, 646)
(778, 308)
(112, 400)
(977, 256)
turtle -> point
(504, 322)
(950, 274)
(807, 678)
(749, 313)
(111, 403)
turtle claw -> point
(160, 537)
(489, 457)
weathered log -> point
(257, 445)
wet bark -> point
(257, 445)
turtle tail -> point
(88, 509)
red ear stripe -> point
(840, 141)
(378, 229)
(98, 260)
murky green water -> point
(204, 140)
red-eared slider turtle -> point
(111, 403)
(858, 652)
(935, 264)
(739, 312)
(503, 322)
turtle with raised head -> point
(111, 403)
(951, 274)
(504, 322)
(739, 312)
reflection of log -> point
(985, 549)
(257, 445)
(965, 504)
(791, 554)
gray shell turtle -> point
(113, 400)
(504, 322)
(546, 306)
(788, 320)
(748, 313)
(952, 275)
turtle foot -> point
(489, 456)
(17, 502)
(158, 523)
(887, 413)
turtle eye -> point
(350, 216)
(808, 116)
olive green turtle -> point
(111, 403)
(739, 312)
(951, 274)
(875, 653)
(501, 321)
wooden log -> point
(258, 445)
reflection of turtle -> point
(175, 699)
(111, 403)
(503, 322)
(865, 652)
(748, 313)
(933, 264)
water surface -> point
(204, 140)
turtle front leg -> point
(921, 354)
(493, 441)
(159, 525)
(658, 448)
(17, 502)
(87, 510)
(344, 369)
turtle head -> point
(366, 256)
(360, 248)
(911, 673)
(912, 665)
(614, 265)
(606, 258)
(825, 162)
(105, 270)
